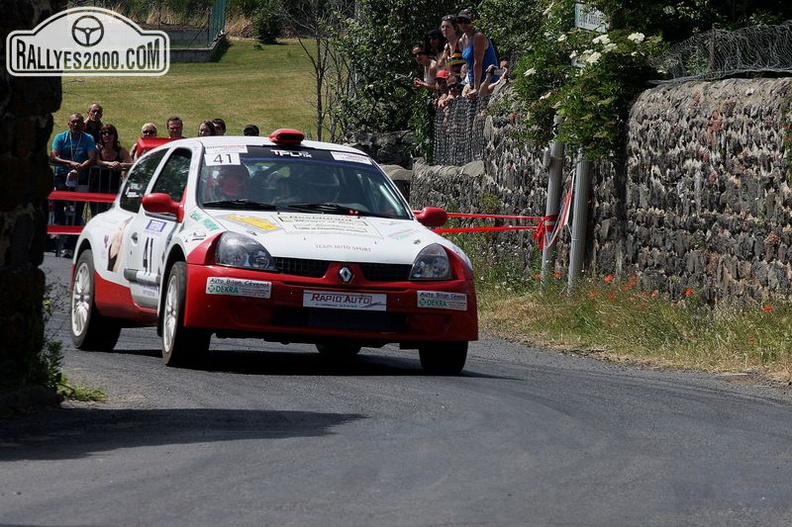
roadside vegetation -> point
(614, 320)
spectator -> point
(175, 127)
(206, 128)
(251, 129)
(94, 122)
(451, 58)
(434, 41)
(442, 89)
(478, 52)
(147, 130)
(73, 151)
(454, 88)
(488, 87)
(220, 126)
(114, 159)
(422, 57)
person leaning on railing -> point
(113, 161)
(73, 152)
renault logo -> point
(345, 274)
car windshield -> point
(297, 179)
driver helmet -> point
(232, 182)
(317, 185)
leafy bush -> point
(268, 21)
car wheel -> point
(443, 358)
(90, 331)
(180, 346)
(338, 350)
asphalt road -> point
(270, 435)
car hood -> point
(322, 236)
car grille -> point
(373, 272)
(340, 319)
(301, 267)
(376, 272)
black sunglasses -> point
(149, 132)
(106, 132)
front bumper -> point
(289, 308)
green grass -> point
(617, 322)
(270, 86)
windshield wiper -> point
(330, 208)
(244, 204)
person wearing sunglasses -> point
(112, 162)
(422, 57)
(147, 131)
(478, 52)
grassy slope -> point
(270, 86)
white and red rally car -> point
(276, 238)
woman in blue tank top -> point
(477, 50)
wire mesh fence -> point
(459, 131)
(199, 27)
(718, 53)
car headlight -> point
(431, 264)
(236, 250)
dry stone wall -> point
(702, 200)
(26, 106)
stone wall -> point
(703, 200)
(26, 107)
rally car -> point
(277, 238)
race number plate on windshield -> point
(341, 300)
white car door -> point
(150, 233)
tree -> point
(321, 21)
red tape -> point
(68, 195)
(544, 224)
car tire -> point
(90, 331)
(338, 351)
(180, 346)
(443, 358)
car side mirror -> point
(432, 216)
(161, 203)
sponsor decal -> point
(342, 300)
(235, 287)
(354, 158)
(259, 223)
(204, 220)
(442, 300)
(402, 234)
(156, 226)
(342, 247)
(87, 41)
(222, 149)
(326, 224)
(291, 153)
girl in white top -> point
(430, 69)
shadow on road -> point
(70, 433)
(370, 363)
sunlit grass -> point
(270, 86)
(616, 321)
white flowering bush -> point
(588, 78)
